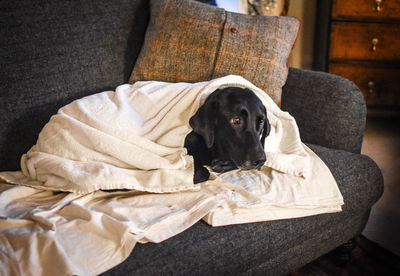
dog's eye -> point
(261, 123)
(236, 121)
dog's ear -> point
(204, 121)
(266, 130)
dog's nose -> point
(258, 163)
(250, 165)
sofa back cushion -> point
(53, 52)
(191, 42)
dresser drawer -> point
(387, 10)
(365, 41)
(380, 85)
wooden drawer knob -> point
(374, 42)
(378, 5)
(371, 87)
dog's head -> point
(234, 124)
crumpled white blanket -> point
(133, 139)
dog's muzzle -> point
(253, 165)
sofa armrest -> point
(330, 110)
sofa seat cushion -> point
(358, 177)
(191, 42)
(256, 247)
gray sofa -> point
(53, 52)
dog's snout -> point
(258, 163)
(253, 163)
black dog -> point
(229, 131)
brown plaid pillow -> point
(191, 42)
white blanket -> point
(133, 139)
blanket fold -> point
(133, 139)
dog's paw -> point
(201, 174)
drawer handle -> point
(374, 42)
(371, 87)
(378, 5)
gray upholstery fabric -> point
(267, 247)
(53, 52)
(329, 110)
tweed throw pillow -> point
(190, 41)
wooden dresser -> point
(360, 40)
